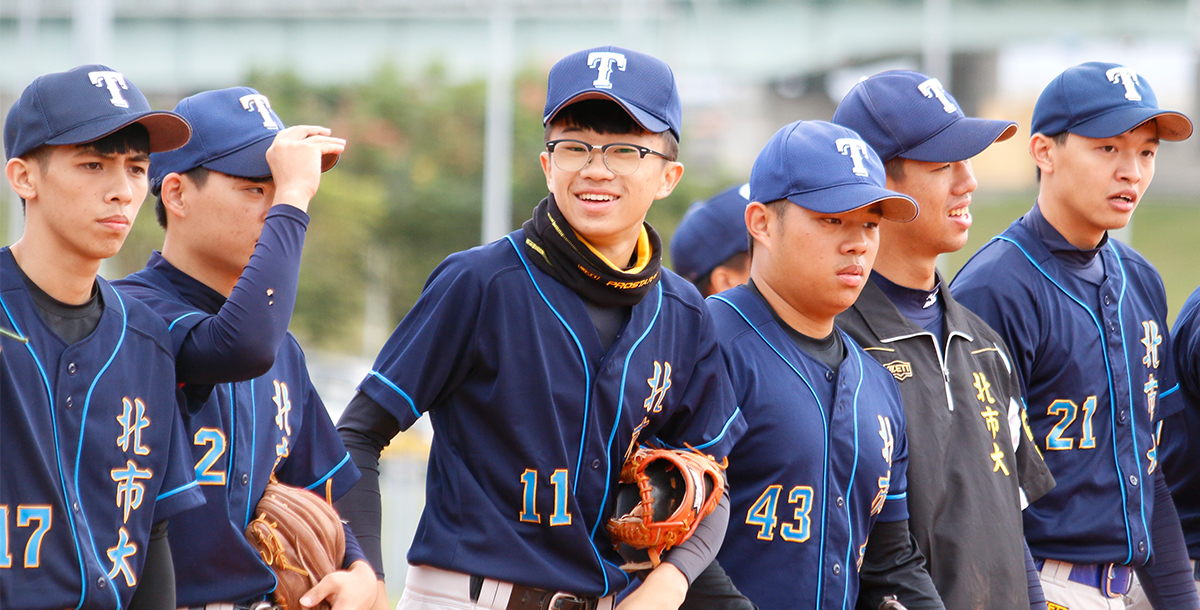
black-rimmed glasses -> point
(620, 158)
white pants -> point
(1061, 592)
(1136, 600)
(429, 588)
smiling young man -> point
(821, 467)
(92, 446)
(543, 359)
(1084, 318)
(970, 468)
(233, 202)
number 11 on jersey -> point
(529, 484)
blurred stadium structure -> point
(744, 67)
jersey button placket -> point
(71, 368)
(69, 402)
(245, 480)
(837, 569)
(828, 375)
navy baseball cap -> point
(711, 232)
(1101, 100)
(825, 168)
(82, 105)
(902, 113)
(233, 128)
(643, 85)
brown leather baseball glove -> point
(663, 496)
(299, 535)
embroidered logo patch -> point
(899, 369)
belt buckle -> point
(1108, 576)
(559, 601)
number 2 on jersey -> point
(529, 484)
(762, 514)
(1067, 411)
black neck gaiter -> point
(554, 247)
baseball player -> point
(91, 441)
(970, 468)
(1084, 318)
(1179, 452)
(822, 464)
(709, 247)
(233, 203)
(544, 357)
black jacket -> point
(966, 485)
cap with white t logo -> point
(1102, 100)
(643, 85)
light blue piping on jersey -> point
(253, 442)
(62, 479)
(332, 471)
(87, 403)
(587, 395)
(396, 388)
(171, 327)
(1137, 454)
(897, 496)
(1111, 394)
(850, 484)
(825, 452)
(617, 420)
(177, 490)
(716, 439)
(1169, 392)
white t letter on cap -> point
(1121, 75)
(933, 88)
(854, 149)
(259, 102)
(115, 81)
(603, 61)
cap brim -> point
(643, 118)
(251, 161)
(167, 130)
(1172, 126)
(961, 140)
(847, 197)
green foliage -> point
(410, 186)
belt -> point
(251, 605)
(531, 598)
(1113, 580)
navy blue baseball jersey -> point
(1093, 354)
(92, 448)
(532, 419)
(823, 458)
(240, 433)
(1179, 440)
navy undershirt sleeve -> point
(156, 588)
(1037, 598)
(241, 340)
(893, 565)
(366, 428)
(1168, 582)
(354, 551)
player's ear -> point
(758, 223)
(176, 195)
(22, 177)
(672, 173)
(1040, 148)
(545, 159)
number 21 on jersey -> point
(1067, 411)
